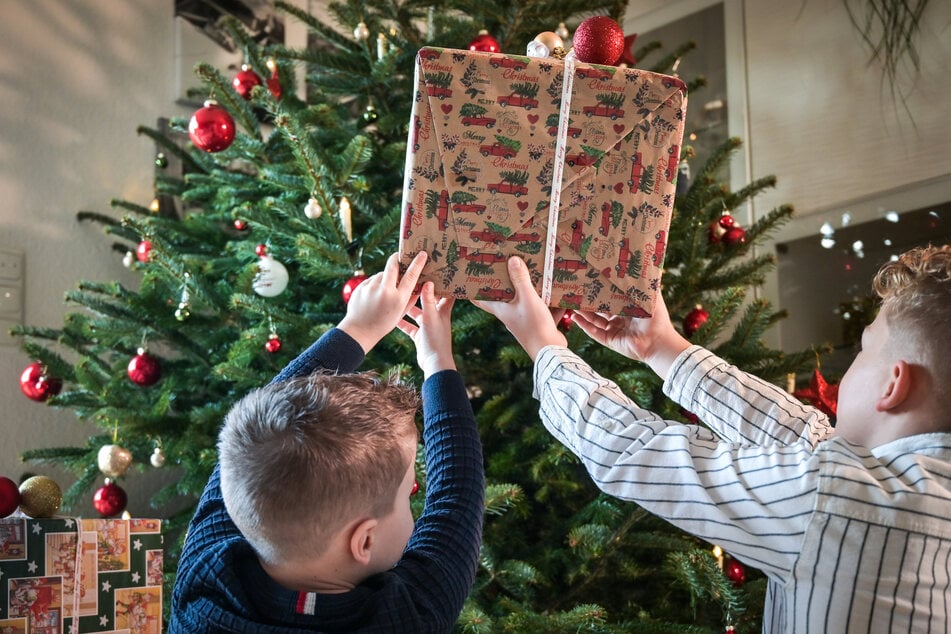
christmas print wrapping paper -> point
(71, 575)
(502, 148)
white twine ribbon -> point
(557, 177)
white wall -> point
(78, 77)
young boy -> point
(852, 525)
(305, 525)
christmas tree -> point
(287, 195)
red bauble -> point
(485, 43)
(36, 385)
(565, 322)
(110, 500)
(735, 572)
(9, 496)
(261, 250)
(211, 128)
(143, 251)
(144, 369)
(245, 80)
(726, 220)
(351, 285)
(273, 344)
(734, 236)
(598, 40)
(240, 225)
(694, 319)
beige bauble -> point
(114, 460)
(40, 497)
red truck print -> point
(485, 122)
(573, 132)
(623, 258)
(486, 258)
(602, 110)
(569, 265)
(498, 149)
(442, 210)
(408, 223)
(570, 300)
(660, 245)
(507, 188)
(417, 124)
(524, 237)
(576, 235)
(518, 100)
(594, 73)
(468, 208)
(673, 163)
(637, 170)
(605, 219)
(508, 62)
(495, 294)
(438, 91)
(582, 159)
(487, 235)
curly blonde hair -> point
(915, 289)
(301, 458)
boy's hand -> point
(380, 301)
(653, 340)
(432, 332)
(526, 316)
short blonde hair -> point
(301, 458)
(915, 289)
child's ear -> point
(362, 540)
(897, 389)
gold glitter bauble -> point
(40, 497)
(114, 460)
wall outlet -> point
(11, 264)
(12, 283)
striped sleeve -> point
(740, 407)
(753, 501)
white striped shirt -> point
(851, 539)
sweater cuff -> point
(444, 393)
(686, 373)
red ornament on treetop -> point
(598, 40)
(143, 251)
(36, 385)
(485, 43)
(211, 128)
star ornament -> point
(820, 394)
(627, 55)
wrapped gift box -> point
(64, 575)
(571, 166)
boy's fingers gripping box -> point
(571, 166)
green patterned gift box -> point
(72, 575)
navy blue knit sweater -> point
(221, 587)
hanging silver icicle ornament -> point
(361, 32)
